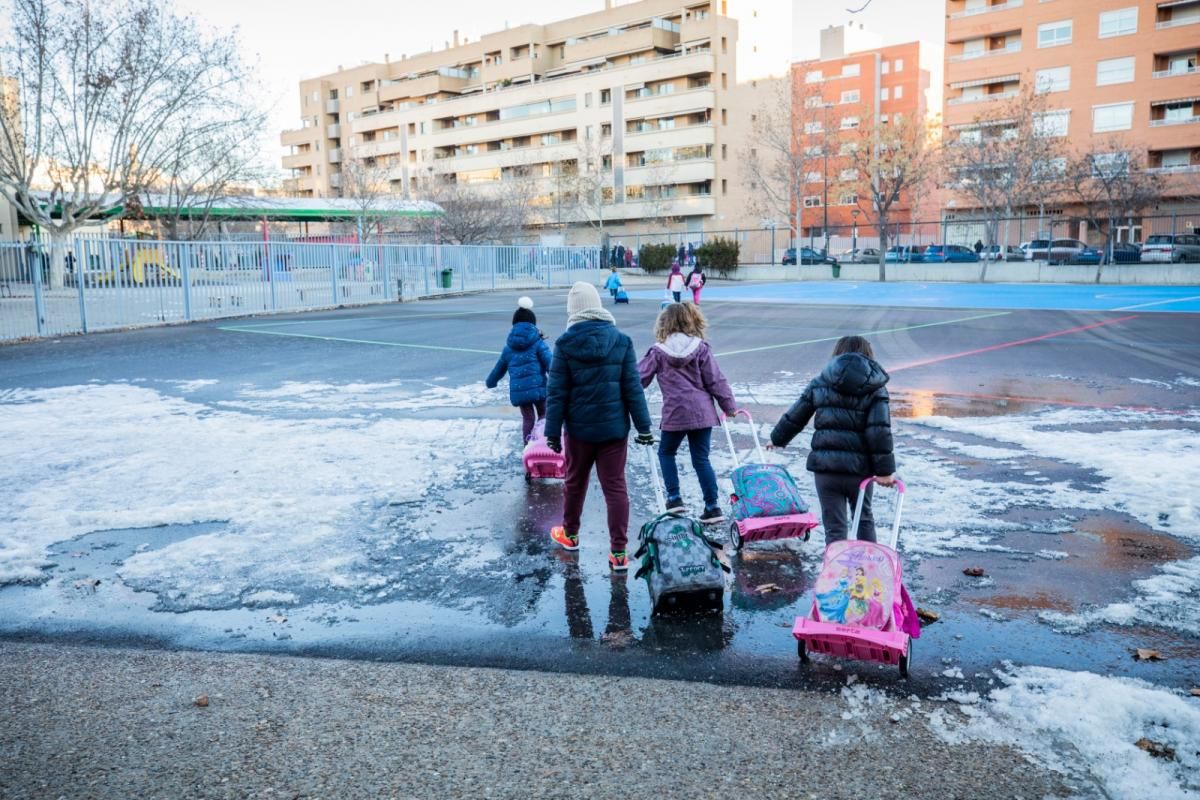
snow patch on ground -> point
(1170, 599)
(297, 494)
(1055, 714)
(297, 396)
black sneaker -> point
(675, 506)
(712, 516)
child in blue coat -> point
(613, 283)
(526, 359)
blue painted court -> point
(1063, 297)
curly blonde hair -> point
(680, 318)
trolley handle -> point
(762, 458)
(652, 457)
(894, 538)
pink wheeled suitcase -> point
(540, 460)
(766, 502)
(860, 607)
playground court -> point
(459, 570)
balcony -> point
(1160, 123)
(987, 98)
(1190, 15)
(423, 85)
(999, 51)
(298, 136)
(332, 106)
(335, 155)
(693, 171)
(1180, 170)
(297, 185)
(1173, 73)
(335, 179)
(333, 131)
(971, 12)
(298, 160)
(634, 41)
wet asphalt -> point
(560, 613)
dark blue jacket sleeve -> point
(557, 394)
(498, 371)
(631, 391)
(544, 357)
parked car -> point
(1060, 251)
(949, 254)
(865, 255)
(1126, 253)
(1171, 248)
(1009, 253)
(907, 254)
(807, 256)
(1086, 255)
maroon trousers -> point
(609, 460)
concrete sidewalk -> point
(85, 722)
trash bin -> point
(837, 270)
(447, 278)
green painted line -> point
(261, 332)
(863, 333)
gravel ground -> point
(83, 722)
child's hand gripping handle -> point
(898, 485)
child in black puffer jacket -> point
(852, 438)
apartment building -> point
(1114, 73)
(637, 92)
(855, 80)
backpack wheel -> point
(802, 651)
(529, 477)
(904, 661)
(735, 536)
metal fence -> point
(767, 246)
(115, 283)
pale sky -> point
(295, 39)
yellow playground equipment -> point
(141, 265)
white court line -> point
(261, 332)
(1158, 303)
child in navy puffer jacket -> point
(526, 358)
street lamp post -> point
(854, 231)
(825, 183)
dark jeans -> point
(678, 296)
(699, 442)
(609, 460)
(838, 493)
(528, 418)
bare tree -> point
(204, 167)
(1111, 186)
(478, 213)
(782, 151)
(593, 188)
(892, 162)
(1007, 160)
(658, 190)
(365, 184)
(97, 84)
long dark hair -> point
(853, 344)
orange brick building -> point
(851, 84)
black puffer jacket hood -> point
(590, 341)
(848, 405)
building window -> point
(849, 123)
(848, 148)
(885, 93)
(848, 200)
(848, 174)
(812, 102)
(724, 186)
(724, 152)
(898, 65)
(587, 99)
(349, 91)
(1114, 70)
(724, 45)
(1110, 165)
(813, 177)
(813, 76)
(1052, 123)
(1121, 22)
(885, 67)
(1054, 79)
(812, 201)
(850, 96)
(896, 95)
(724, 116)
(1052, 34)
(1113, 117)
(851, 70)
(813, 127)
(724, 81)
(605, 96)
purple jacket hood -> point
(690, 380)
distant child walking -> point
(526, 359)
(852, 438)
(696, 281)
(594, 391)
(675, 282)
(613, 283)
(690, 381)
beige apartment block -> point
(641, 91)
(1113, 73)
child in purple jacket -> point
(690, 380)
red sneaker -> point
(618, 561)
(563, 539)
